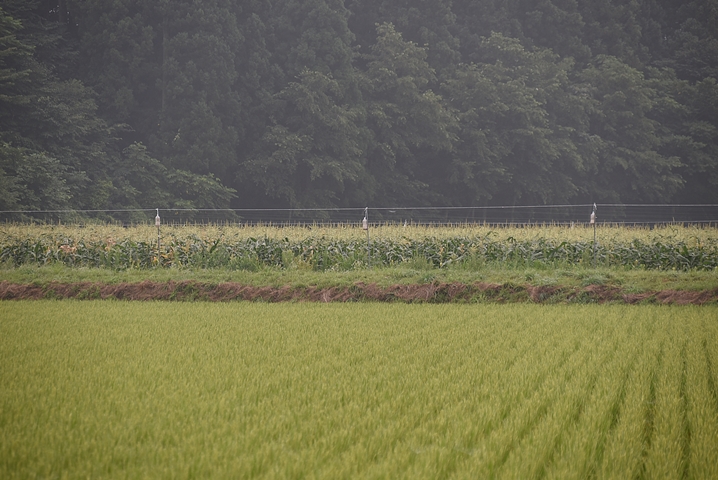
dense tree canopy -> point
(319, 103)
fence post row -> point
(508, 215)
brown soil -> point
(416, 293)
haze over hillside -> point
(319, 103)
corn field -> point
(348, 247)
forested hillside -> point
(320, 103)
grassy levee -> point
(631, 281)
(252, 390)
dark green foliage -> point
(524, 129)
(41, 127)
(317, 152)
(323, 103)
(411, 127)
(631, 167)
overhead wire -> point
(620, 214)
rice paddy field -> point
(252, 390)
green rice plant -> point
(702, 413)
(667, 456)
(147, 389)
(581, 456)
(546, 357)
(629, 432)
(542, 436)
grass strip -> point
(631, 281)
(189, 291)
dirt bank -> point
(416, 293)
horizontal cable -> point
(562, 214)
(337, 209)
